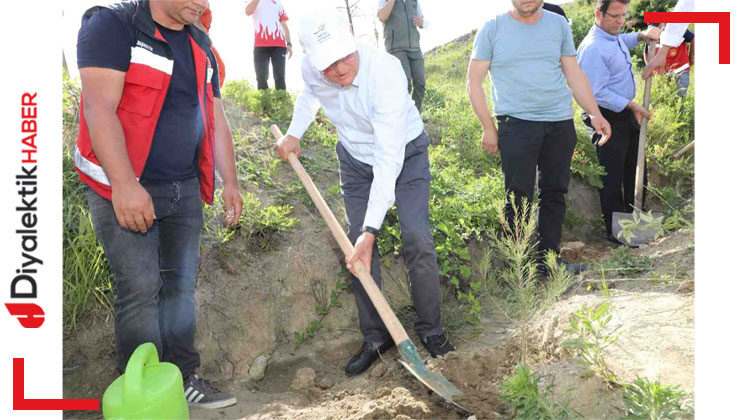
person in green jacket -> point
(401, 20)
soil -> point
(251, 301)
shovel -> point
(639, 228)
(411, 360)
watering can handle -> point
(144, 355)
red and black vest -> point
(146, 84)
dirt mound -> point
(397, 403)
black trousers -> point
(262, 58)
(545, 146)
(619, 157)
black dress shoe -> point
(361, 361)
(437, 345)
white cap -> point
(326, 38)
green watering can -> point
(148, 390)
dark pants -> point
(154, 272)
(619, 157)
(412, 205)
(529, 146)
(413, 65)
(262, 58)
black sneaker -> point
(437, 345)
(200, 393)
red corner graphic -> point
(30, 315)
(21, 403)
(723, 18)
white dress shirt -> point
(672, 36)
(374, 116)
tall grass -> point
(87, 278)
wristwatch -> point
(369, 229)
(289, 44)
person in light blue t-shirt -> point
(529, 54)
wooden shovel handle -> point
(640, 174)
(376, 296)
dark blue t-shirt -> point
(104, 41)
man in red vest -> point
(152, 133)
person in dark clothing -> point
(555, 9)
(605, 59)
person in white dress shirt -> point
(383, 160)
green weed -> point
(85, 272)
(522, 391)
(647, 399)
(623, 261)
(593, 335)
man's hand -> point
(650, 34)
(418, 21)
(601, 126)
(639, 112)
(489, 141)
(133, 206)
(287, 145)
(657, 63)
(363, 252)
(232, 200)
(289, 48)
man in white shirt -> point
(383, 159)
(671, 37)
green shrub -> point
(581, 15)
(591, 326)
(258, 223)
(623, 261)
(637, 9)
(650, 400)
(522, 391)
(276, 105)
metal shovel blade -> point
(636, 228)
(432, 380)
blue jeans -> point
(154, 272)
(682, 83)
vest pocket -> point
(142, 88)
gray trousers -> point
(413, 65)
(412, 204)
